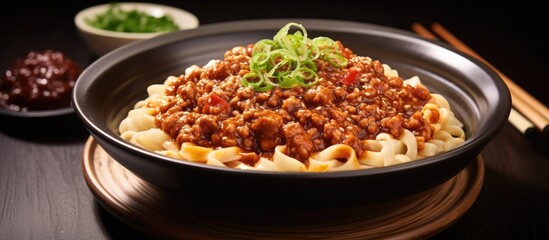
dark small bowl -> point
(42, 114)
(108, 89)
(43, 125)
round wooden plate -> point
(163, 213)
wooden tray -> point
(163, 213)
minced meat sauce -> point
(348, 105)
(39, 81)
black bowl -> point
(108, 89)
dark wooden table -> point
(43, 194)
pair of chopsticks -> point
(528, 115)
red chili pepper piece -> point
(350, 77)
(215, 100)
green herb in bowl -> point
(133, 21)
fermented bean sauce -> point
(348, 105)
(39, 81)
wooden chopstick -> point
(522, 100)
(422, 31)
(521, 123)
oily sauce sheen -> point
(349, 105)
(39, 81)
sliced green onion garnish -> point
(287, 60)
(336, 60)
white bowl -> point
(103, 41)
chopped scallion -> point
(287, 60)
